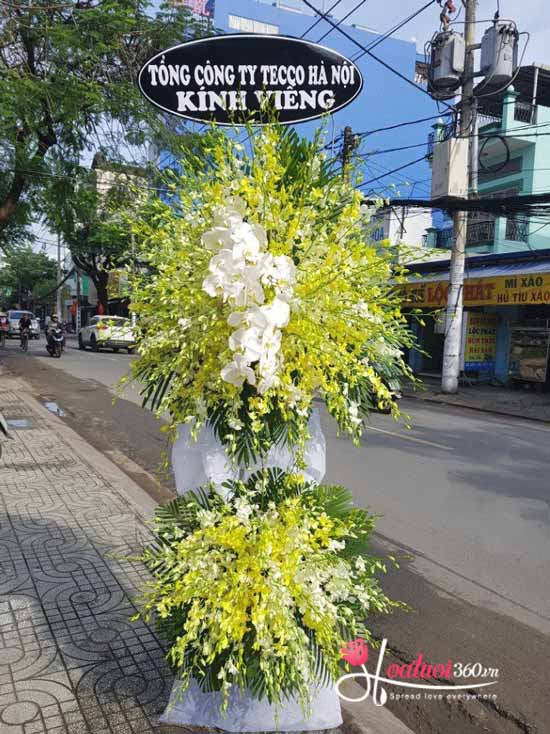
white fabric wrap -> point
(196, 463)
(205, 460)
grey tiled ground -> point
(70, 660)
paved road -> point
(465, 494)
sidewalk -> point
(520, 403)
(71, 662)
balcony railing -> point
(517, 230)
(477, 233)
(524, 112)
(483, 233)
(485, 119)
(445, 239)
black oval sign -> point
(230, 78)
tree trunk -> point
(101, 280)
(9, 203)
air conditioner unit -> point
(450, 168)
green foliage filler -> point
(260, 590)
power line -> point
(366, 50)
(405, 182)
(404, 124)
(351, 12)
(484, 136)
(314, 25)
(393, 30)
(394, 170)
(91, 184)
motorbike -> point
(55, 342)
(24, 339)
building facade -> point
(507, 285)
(513, 159)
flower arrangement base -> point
(195, 710)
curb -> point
(468, 406)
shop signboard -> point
(232, 79)
(479, 342)
(517, 290)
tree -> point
(91, 212)
(27, 277)
(67, 82)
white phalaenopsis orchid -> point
(246, 246)
(274, 314)
(248, 342)
(278, 270)
(230, 213)
(238, 272)
(277, 313)
(238, 371)
(216, 238)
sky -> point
(532, 16)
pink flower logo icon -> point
(356, 653)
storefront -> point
(506, 330)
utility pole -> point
(58, 291)
(78, 319)
(455, 301)
(350, 143)
(133, 240)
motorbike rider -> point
(4, 326)
(25, 323)
(52, 326)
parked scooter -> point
(56, 340)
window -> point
(247, 25)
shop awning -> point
(490, 271)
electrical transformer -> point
(499, 53)
(447, 61)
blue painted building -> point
(385, 100)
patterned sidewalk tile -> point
(71, 662)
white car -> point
(15, 316)
(113, 332)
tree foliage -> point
(67, 83)
(90, 211)
(27, 277)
